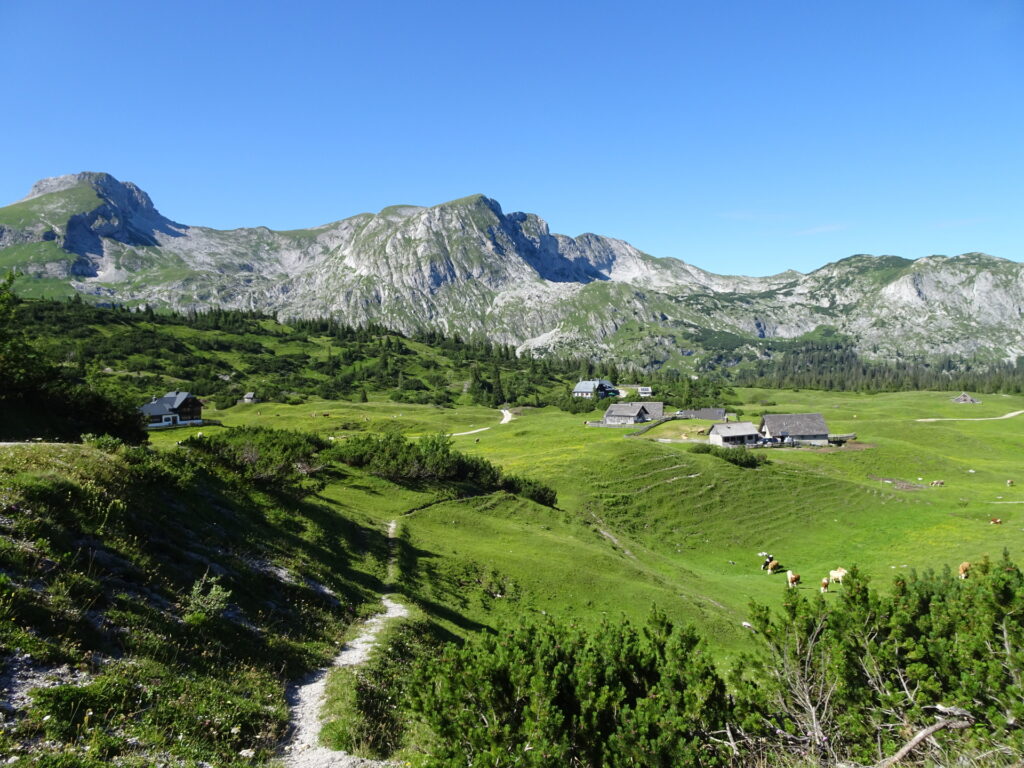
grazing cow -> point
(1009, 483)
(995, 521)
(837, 575)
(936, 483)
(824, 585)
(963, 569)
(792, 579)
(772, 567)
(767, 561)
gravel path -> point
(306, 698)
(990, 418)
(506, 417)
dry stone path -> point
(306, 699)
(506, 417)
(989, 418)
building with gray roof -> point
(807, 428)
(594, 388)
(735, 434)
(627, 413)
(173, 409)
(709, 414)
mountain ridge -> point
(465, 266)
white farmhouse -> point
(737, 433)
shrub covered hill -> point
(221, 355)
(157, 600)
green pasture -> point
(339, 417)
(641, 522)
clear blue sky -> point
(741, 136)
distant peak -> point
(399, 211)
(69, 181)
(477, 200)
(121, 194)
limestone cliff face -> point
(467, 267)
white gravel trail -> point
(506, 417)
(1009, 415)
(307, 698)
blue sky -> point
(741, 136)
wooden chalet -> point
(173, 409)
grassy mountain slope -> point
(683, 517)
(109, 556)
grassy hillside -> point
(168, 598)
(175, 590)
(674, 520)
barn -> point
(710, 414)
(627, 413)
(806, 428)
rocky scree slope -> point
(467, 267)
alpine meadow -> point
(547, 385)
(555, 467)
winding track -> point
(306, 699)
(1009, 415)
(506, 417)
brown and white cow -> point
(792, 579)
(963, 570)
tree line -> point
(838, 366)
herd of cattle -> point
(771, 565)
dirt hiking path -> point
(306, 698)
(989, 418)
(506, 417)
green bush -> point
(555, 694)
(853, 678)
(206, 601)
(272, 458)
(432, 459)
(105, 443)
(739, 456)
(366, 717)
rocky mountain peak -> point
(122, 195)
